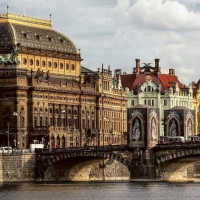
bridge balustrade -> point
(71, 149)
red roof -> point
(165, 80)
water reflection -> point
(100, 191)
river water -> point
(100, 191)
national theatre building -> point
(46, 95)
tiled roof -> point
(168, 81)
(39, 38)
(128, 80)
(165, 80)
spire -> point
(102, 67)
(7, 8)
(50, 15)
(108, 67)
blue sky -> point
(116, 32)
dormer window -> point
(50, 39)
(39, 37)
(62, 40)
(26, 35)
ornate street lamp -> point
(110, 127)
(23, 133)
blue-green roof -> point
(86, 70)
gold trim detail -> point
(25, 19)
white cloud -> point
(116, 32)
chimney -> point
(137, 68)
(137, 63)
(172, 72)
(157, 64)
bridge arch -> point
(83, 165)
(176, 165)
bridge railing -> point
(71, 149)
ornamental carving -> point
(153, 114)
(189, 115)
(172, 114)
(136, 113)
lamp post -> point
(71, 125)
(24, 133)
(88, 131)
(110, 127)
(8, 131)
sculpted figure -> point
(172, 129)
(189, 128)
(136, 130)
(153, 129)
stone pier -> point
(15, 168)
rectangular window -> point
(93, 125)
(132, 102)
(145, 102)
(63, 122)
(40, 121)
(152, 102)
(51, 121)
(165, 102)
(76, 123)
(57, 121)
(35, 121)
(83, 123)
(149, 102)
(46, 121)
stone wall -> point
(17, 167)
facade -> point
(179, 121)
(47, 96)
(143, 126)
(148, 86)
(196, 103)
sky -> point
(116, 32)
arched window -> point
(24, 61)
(37, 63)
(55, 65)
(49, 64)
(31, 61)
(43, 63)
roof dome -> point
(33, 33)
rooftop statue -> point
(147, 67)
(12, 58)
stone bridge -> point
(167, 162)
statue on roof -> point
(147, 67)
(11, 58)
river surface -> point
(100, 191)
